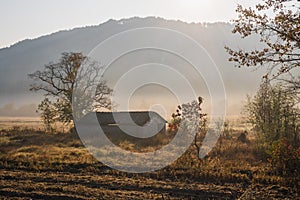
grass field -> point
(36, 165)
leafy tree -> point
(274, 114)
(277, 22)
(58, 80)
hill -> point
(28, 56)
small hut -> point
(136, 123)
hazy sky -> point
(33, 18)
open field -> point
(25, 122)
(34, 123)
(36, 165)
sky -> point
(33, 18)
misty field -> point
(36, 165)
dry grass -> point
(44, 166)
(24, 122)
(21, 123)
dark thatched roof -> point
(137, 117)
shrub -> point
(284, 157)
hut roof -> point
(138, 117)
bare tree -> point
(58, 80)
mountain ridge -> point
(29, 55)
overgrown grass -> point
(229, 162)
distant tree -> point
(58, 80)
(278, 25)
(48, 114)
